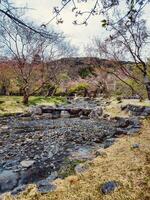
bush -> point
(78, 88)
(86, 72)
(123, 90)
(60, 92)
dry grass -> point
(130, 167)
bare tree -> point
(23, 45)
(8, 11)
(127, 41)
(54, 67)
(103, 8)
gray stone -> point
(35, 110)
(27, 163)
(84, 117)
(50, 154)
(147, 110)
(96, 113)
(135, 146)
(44, 186)
(133, 131)
(64, 114)
(53, 176)
(8, 180)
(109, 187)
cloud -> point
(41, 12)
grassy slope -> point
(13, 104)
(131, 167)
(114, 108)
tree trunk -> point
(25, 99)
(147, 85)
(148, 90)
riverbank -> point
(50, 143)
(124, 162)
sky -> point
(41, 11)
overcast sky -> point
(79, 35)
(41, 12)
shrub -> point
(78, 87)
(86, 72)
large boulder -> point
(64, 114)
(8, 180)
(27, 163)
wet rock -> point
(109, 187)
(8, 180)
(27, 163)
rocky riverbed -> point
(35, 146)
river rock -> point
(27, 163)
(35, 110)
(135, 146)
(53, 176)
(109, 187)
(8, 180)
(64, 114)
(96, 113)
(44, 186)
